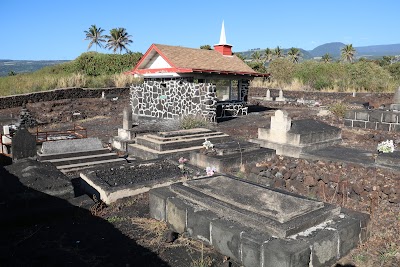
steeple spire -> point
(222, 47)
(222, 37)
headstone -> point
(280, 97)
(281, 122)
(268, 96)
(23, 144)
(103, 95)
(127, 119)
(291, 138)
(125, 134)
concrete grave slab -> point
(68, 146)
(168, 144)
(228, 156)
(256, 225)
(112, 182)
(291, 138)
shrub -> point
(192, 121)
(95, 64)
(282, 70)
(338, 109)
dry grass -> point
(124, 80)
(93, 119)
(154, 230)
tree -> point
(294, 54)
(118, 40)
(348, 52)
(95, 36)
(240, 56)
(256, 56)
(326, 58)
(278, 53)
(268, 54)
(206, 47)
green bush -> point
(338, 109)
(360, 76)
(282, 70)
(192, 121)
(95, 64)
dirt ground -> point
(122, 234)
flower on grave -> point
(207, 144)
(210, 171)
(386, 146)
(182, 162)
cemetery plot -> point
(118, 181)
(259, 226)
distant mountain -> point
(371, 51)
(23, 66)
(333, 49)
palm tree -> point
(268, 55)
(294, 54)
(326, 58)
(256, 56)
(95, 36)
(118, 39)
(278, 53)
(348, 52)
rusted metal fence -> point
(76, 133)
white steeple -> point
(222, 37)
(224, 48)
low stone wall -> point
(326, 98)
(328, 181)
(58, 94)
(373, 119)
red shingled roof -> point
(184, 60)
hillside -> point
(373, 51)
(23, 66)
(331, 48)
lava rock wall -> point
(58, 94)
(173, 99)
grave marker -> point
(23, 144)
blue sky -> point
(54, 29)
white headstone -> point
(281, 122)
(268, 96)
(280, 97)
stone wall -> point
(173, 98)
(326, 98)
(373, 119)
(58, 94)
(244, 89)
